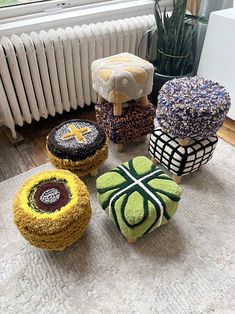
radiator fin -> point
(31, 46)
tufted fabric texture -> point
(185, 266)
(138, 196)
(122, 77)
(192, 107)
(134, 122)
(77, 145)
(180, 160)
(52, 209)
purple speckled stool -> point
(192, 107)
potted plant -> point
(174, 52)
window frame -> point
(45, 7)
(78, 15)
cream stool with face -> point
(121, 78)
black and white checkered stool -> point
(180, 160)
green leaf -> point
(175, 38)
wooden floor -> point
(227, 132)
(30, 152)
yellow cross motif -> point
(77, 133)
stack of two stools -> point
(123, 82)
(190, 111)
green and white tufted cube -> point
(138, 197)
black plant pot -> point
(158, 81)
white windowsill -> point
(78, 16)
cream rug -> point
(186, 266)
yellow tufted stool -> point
(119, 79)
(52, 209)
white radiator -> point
(48, 72)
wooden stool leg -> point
(184, 141)
(119, 147)
(154, 161)
(143, 138)
(176, 178)
(144, 101)
(131, 240)
(101, 100)
(117, 111)
(93, 172)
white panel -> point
(60, 64)
(97, 32)
(68, 58)
(26, 77)
(105, 39)
(34, 72)
(112, 37)
(9, 88)
(139, 34)
(147, 24)
(51, 63)
(6, 111)
(217, 60)
(142, 45)
(97, 35)
(133, 35)
(43, 73)
(151, 21)
(126, 35)
(119, 36)
(16, 78)
(91, 57)
(76, 65)
(84, 63)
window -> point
(66, 3)
(40, 5)
(18, 16)
(16, 8)
(7, 3)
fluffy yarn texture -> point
(134, 122)
(138, 196)
(83, 167)
(81, 155)
(52, 209)
(192, 107)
